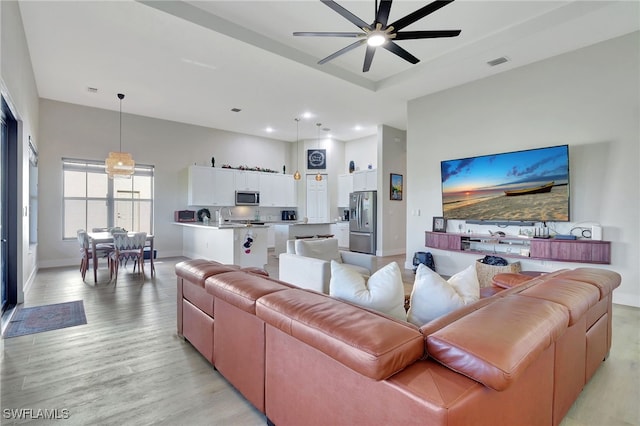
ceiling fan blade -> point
(412, 35)
(327, 34)
(368, 58)
(419, 14)
(394, 48)
(342, 51)
(346, 14)
(383, 12)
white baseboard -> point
(57, 263)
(627, 299)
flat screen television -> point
(519, 186)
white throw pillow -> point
(323, 248)
(383, 292)
(433, 296)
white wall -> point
(392, 223)
(587, 99)
(18, 87)
(69, 130)
(362, 152)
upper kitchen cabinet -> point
(365, 180)
(277, 190)
(247, 180)
(345, 187)
(209, 186)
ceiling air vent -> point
(498, 61)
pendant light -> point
(297, 175)
(119, 164)
(318, 175)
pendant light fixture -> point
(119, 164)
(297, 175)
(318, 175)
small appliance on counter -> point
(289, 215)
(184, 216)
(204, 215)
(345, 215)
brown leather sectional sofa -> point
(520, 356)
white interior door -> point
(317, 199)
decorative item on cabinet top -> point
(253, 169)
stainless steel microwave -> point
(247, 198)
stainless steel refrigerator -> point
(362, 222)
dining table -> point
(96, 238)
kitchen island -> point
(231, 243)
(289, 231)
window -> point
(91, 200)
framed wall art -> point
(317, 159)
(439, 224)
(395, 187)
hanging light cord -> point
(121, 97)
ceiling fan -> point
(379, 34)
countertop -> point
(243, 224)
(227, 225)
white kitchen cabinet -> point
(365, 180)
(345, 187)
(268, 190)
(340, 230)
(288, 188)
(200, 182)
(247, 180)
(277, 190)
(209, 186)
(223, 184)
(271, 237)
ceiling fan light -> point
(377, 38)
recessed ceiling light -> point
(269, 129)
(357, 128)
(307, 115)
(92, 89)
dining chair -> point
(127, 247)
(86, 251)
(150, 254)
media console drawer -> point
(580, 251)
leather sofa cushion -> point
(255, 270)
(197, 271)
(508, 335)
(509, 279)
(605, 280)
(241, 289)
(443, 321)
(369, 343)
(576, 296)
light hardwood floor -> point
(128, 366)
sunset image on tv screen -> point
(531, 185)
